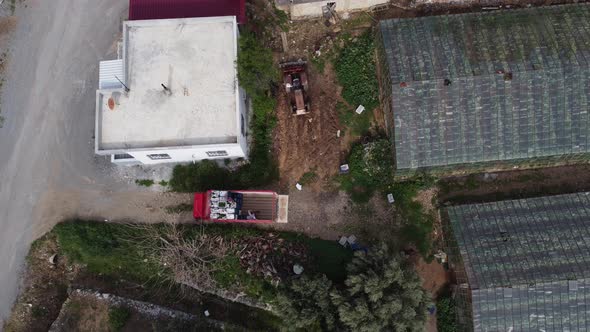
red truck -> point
(249, 206)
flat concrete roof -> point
(195, 59)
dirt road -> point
(47, 167)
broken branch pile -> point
(271, 257)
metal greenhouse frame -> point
(509, 87)
(522, 264)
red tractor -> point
(295, 79)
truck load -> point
(249, 206)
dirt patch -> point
(44, 290)
(7, 25)
(330, 215)
(309, 143)
(433, 274)
(83, 314)
(141, 206)
(487, 187)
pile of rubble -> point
(271, 257)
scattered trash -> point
(360, 109)
(441, 256)
(490, 176)
(351, 239)
(344, 169)
(52, 260)
(338, 133)
(298, 186)
(207, 314)
(390, 198)
(343, 241)
(297, 269)
(432, 309)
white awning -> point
(109, 72)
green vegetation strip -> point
(357, 72)
(256, 73)
(118, 251)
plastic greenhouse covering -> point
(494, 86)
(527, 262)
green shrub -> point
(357, 72)
(446, 315)
(144, 182)
(199, 176)
(118, 317)
(256, 69)
(371, 169)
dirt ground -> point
(494, 186)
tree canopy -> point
(381, 293)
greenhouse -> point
(522, 265)
(509, 86)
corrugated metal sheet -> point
(163, 9)
(109, 71)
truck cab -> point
(249, 206)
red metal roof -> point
(163, 9)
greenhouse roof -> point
(527, 262)
(478, 87)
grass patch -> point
(358, 124)
(308, 177)
(357, 72)
(107, 249)
(118, 317)
(371, 170)
(144, 182)
(417, 222)
(163, 183)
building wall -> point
(188, 154)
(314, 9)
(244, 120)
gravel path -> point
(48, 170)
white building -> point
(301, 9)
(173, 96)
